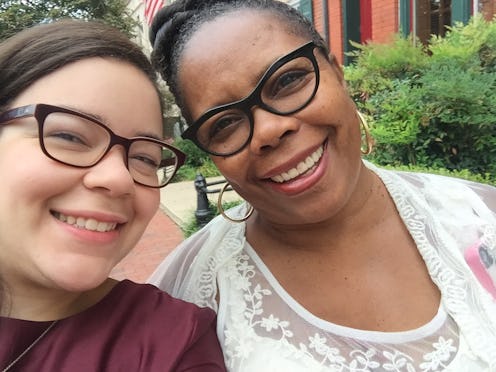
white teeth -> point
(91, 224)
(293, 173)
(301, 168)
(87, 224)
(80, 222)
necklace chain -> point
(30, 346)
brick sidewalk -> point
(161, 236)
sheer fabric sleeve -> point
(172, 271)
(481, 256)
(467, 210)
(190, 272)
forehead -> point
(227, 56)
(108, 88)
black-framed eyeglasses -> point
(79, 140)
(287, 86)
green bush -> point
(191, 226)
(195, 156)
(463, 174)
(431, 106)
(378, 65)
(197, 161)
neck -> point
(39, 303)
(368, 206)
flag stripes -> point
(151, 8)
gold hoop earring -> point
(368, 137)
(221, 209)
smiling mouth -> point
(86, 223)
(302, 168)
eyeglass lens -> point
(286, 90)
(77, 141)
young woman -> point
(82, 161)
(341, 266)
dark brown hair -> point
(35, 52)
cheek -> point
(332, 96)
(233, 167)
(147, 202)
(336, 109)
(28, 174)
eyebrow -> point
(104, 121)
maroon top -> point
(136, 327)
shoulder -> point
(440, 189)
(190, 271)
(464, 208)
(452, 192)
(136, 327)
(156, 303)
(153, 313)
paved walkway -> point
(178, 204)
(161, 236)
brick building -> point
(378, 20)
(367, 20)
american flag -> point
(151, 8)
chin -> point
(80, 279)
(83, 285)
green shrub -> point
(195, 157)
(432, 107)
(191, 226)
(378, 65)
(463, 174)
(197, 161)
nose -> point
(111, 174)
(270, 129)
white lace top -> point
(262, 328)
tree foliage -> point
(16, 15)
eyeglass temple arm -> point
(17, 113)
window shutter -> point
(304, 7)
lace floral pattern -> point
(254, 320)
(252, 326)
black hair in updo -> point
(175, 24)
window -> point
(304, 6)
(432, 17)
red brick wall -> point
(335, 25)
(487, 7)
(318, 20)
(336, 28)
(384, 20)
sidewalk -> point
(177, 206)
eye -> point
(63, 140)
(226, 124)
(71, 132)
(146, 160)
(143, 164)
(289, 82)
(222, 127)
(66, 136)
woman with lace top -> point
(82, 161)
(332, 264)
